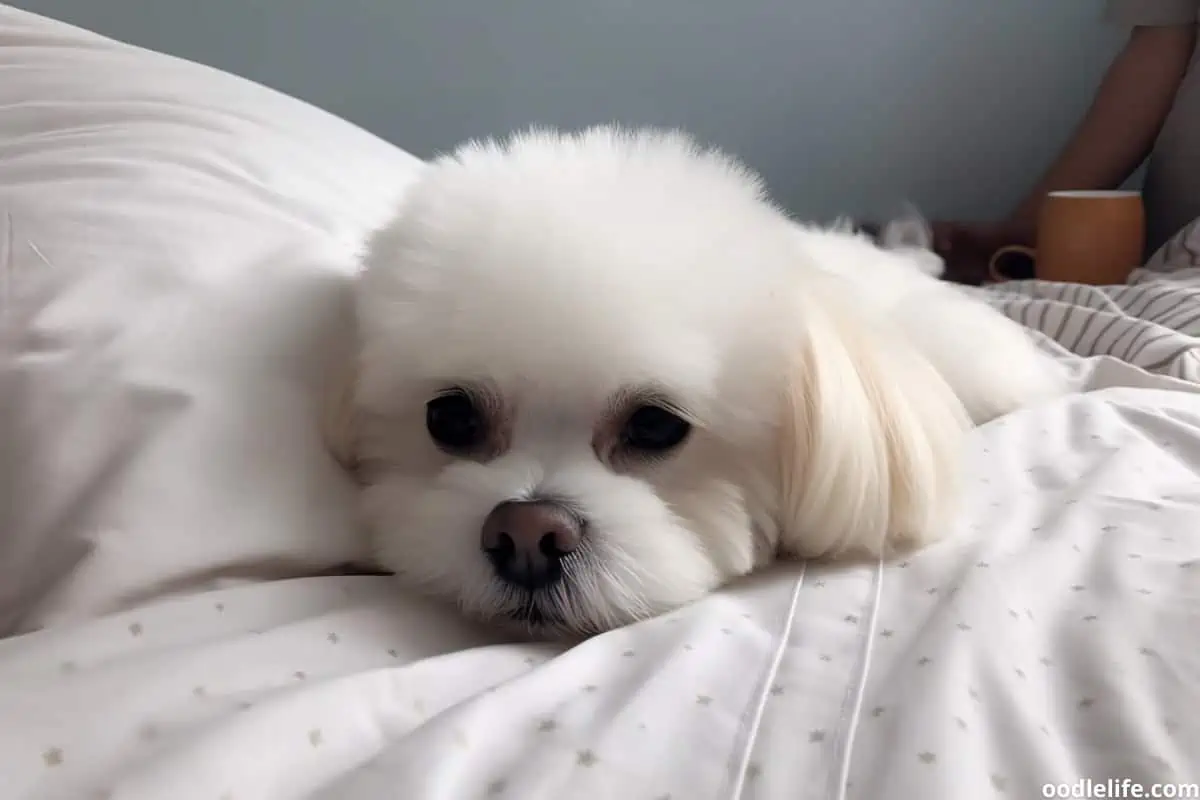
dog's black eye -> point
(453, 420)
(653, 429)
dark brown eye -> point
(654, 429)
(454, 421)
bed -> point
(181, 613)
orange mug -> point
(1092, 237)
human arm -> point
(1125, 117)
(1111, 141)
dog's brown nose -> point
(527, 540)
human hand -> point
(967, 247)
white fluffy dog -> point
(601, 375)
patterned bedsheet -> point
(1152, 322)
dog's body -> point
(600, 375)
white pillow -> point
(175, 245)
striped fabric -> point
(1152, 322)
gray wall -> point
(845, 105)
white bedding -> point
(176, 246)
(1051, 639)
(172, 237)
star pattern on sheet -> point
(54, 756)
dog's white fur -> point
(830, 381)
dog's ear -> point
(872, 440)
(339, 417)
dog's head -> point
(598, 379)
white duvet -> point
(175, 244)
(1051, 640)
